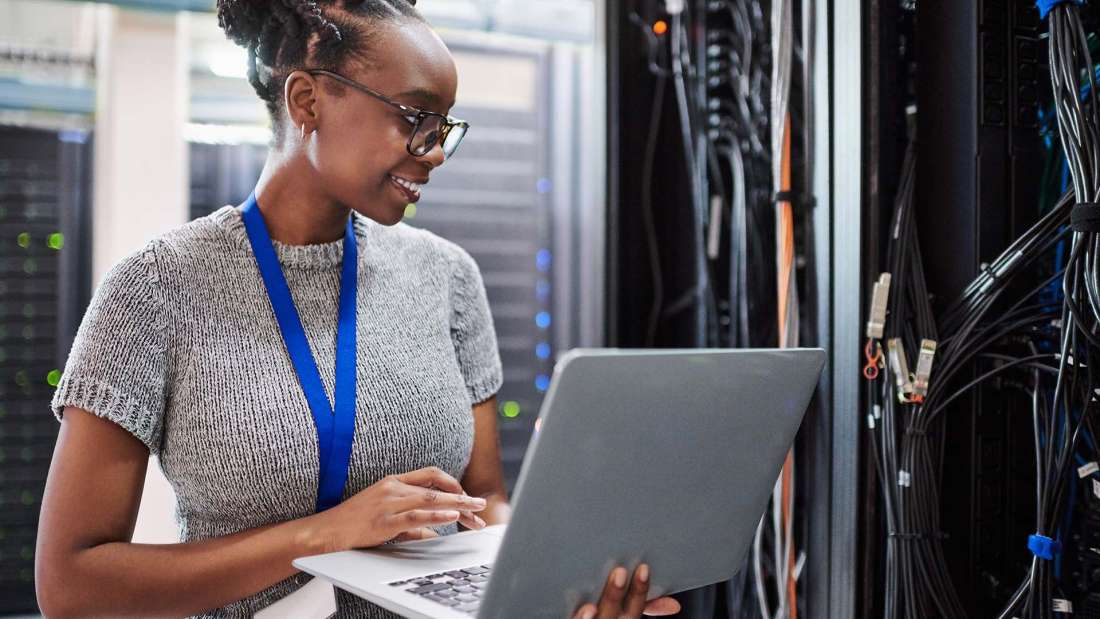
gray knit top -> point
(180, 347)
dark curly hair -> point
(282, 36)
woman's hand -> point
(400, 507)
(618, 602)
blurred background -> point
(119, 121)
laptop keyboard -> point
(459, 589)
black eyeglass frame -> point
(411, 114)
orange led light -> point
(660, 27)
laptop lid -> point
(661, 456)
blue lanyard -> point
(336, 424)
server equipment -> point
(45, 182)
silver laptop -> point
(660, 456)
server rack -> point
(45, 189)
(830, 436)
(982, 75)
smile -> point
(410, 189)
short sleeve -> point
(472, 331)
(117, 366)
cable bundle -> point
(741, 171)
(782, 509)
(738, 131)
(997, 329)
(1064, 413)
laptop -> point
(666, 457)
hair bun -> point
(243, 20)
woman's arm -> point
(85, 565)
(484, 476)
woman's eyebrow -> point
(423, 95)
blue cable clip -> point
(1045, 6)
(1043, 547)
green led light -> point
(30, 266)
(21, 378)
(55, 240)
(53, 378)
(511, 409)
(410, 211)
(23, 239)
(27, 498)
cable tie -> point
(1043, 547)
(1085, 217)
(1046, 6)
(988, 270)
(796, 199)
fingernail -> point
(451, 515)
(643, 573)
(620, 577)
(479, 520)
(588, 613)
(479, 502)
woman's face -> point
(360, 144)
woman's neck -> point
(295, 213)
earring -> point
(303, 132)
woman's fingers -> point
(416, 518)
(639, 587)
(611, 600)
(436, 480)
(470, 520)
(432, 477)
(621, 598)
(430, 498)
(415, 534)
(662, 607)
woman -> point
(221, 346)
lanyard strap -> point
(335, 425)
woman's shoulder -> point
(192, 245)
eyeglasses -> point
(429, 128)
